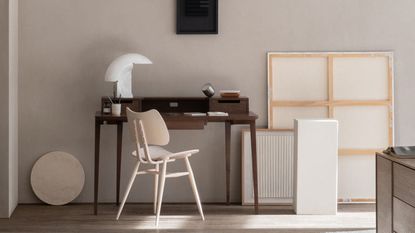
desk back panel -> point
(174, 105)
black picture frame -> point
(197, 17)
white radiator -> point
(275, 167)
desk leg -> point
(228, 160)
(119, 152)
(254, 164)
(96, 174)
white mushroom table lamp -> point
(120, 73)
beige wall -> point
(13, 104)
(67, 45)
(9, 114)
(4, 92)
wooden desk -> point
(395, 194)
(180, 121)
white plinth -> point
(315, 166)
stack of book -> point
(230, 93)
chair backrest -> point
(147, 128)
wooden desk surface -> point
(182, 117)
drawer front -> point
(383, 195)
(404, 183)
(229, 105)
(403, 217)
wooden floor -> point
(184, 218)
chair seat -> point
(158, 153)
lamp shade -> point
(120, 71)
(123, 64)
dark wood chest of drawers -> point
(395, 194)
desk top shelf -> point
(181, 104)
(173, 109)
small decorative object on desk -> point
(208, 90)
(195, 113)
(115, 107)
(218, 114)
(230, 93)
(402, 152)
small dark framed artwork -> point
(197, 17)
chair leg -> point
(130, 184)
(160, 191)
(194, 188)
(156, 184)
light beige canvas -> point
(285, 115)
(361, 78)
(299, 78)
(357, 177)
(363, 127)
(355, 88)
(301, 84)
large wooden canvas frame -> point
(330, 103)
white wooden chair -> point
(149, 132)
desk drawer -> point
(384, 194)
(404, 183)
(229, 105)
(403, 217)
